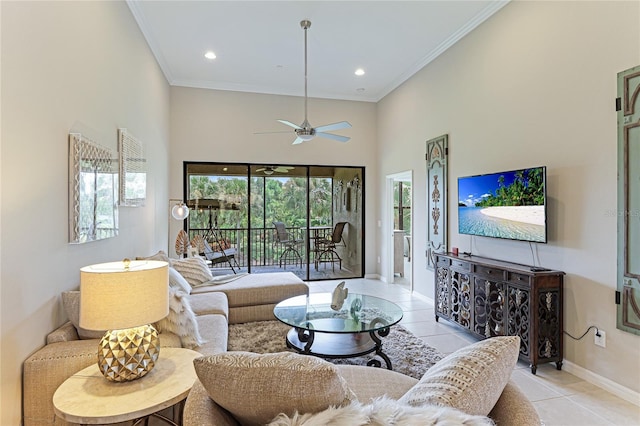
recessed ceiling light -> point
(210, 55)
(360, 89)
(359, 72)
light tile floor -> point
(561, 398)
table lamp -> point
(125, 298)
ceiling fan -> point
(305, 132)
(269, 170)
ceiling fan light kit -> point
(269, 170)
(305, 132)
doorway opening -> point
(400, 229)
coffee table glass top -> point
(358, 313)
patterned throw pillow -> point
(160, 255)
(255, 388)
(470, 379)
(193, 269)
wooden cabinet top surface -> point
(495, 263)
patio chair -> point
(328, 251)
(290, 245)
(221, 255)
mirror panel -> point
(93, 196)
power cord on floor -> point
(585, 333)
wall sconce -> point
(125, 298)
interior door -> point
(628, 213)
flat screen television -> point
(510, 204)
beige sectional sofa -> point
(474, 381)
(245, 299)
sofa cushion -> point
(257, 387)
(176, 280)
(71, 304)
(383, 411)
(193, 269)
(365, 382)
(259, 289)
(181, 320)
(470, 379)
(209, 303)
(216, 329)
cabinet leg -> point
(534, 368)
(559, 365)
(437, 318)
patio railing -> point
(265, 250)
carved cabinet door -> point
(628, 212)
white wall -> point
(212, 125)
(534, 85)
(67, 66)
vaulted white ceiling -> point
(260, 45)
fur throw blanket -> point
(181, 320)
(383, 412)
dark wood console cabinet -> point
(489, 297)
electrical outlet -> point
(601, 340)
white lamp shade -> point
(114, 297)
(180, 211)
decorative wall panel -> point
(133, 170)
(628, 212)
(437, 151)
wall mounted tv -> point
(510, 205)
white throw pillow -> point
(176, 280)
(181, 320)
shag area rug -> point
(409, 355)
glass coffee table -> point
(353, 330)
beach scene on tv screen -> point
(503, 205)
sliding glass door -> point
(270, 218)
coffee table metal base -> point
(339, 345)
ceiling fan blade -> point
(332, 136)
(283, 169)
(261, 170)
(290, 124)
(297, 141)
(334, 126)
(266, 133)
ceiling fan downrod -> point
(306, 131)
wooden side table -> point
(88, 398)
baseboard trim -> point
(422, 297)
(375, 277)
(618, 390)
